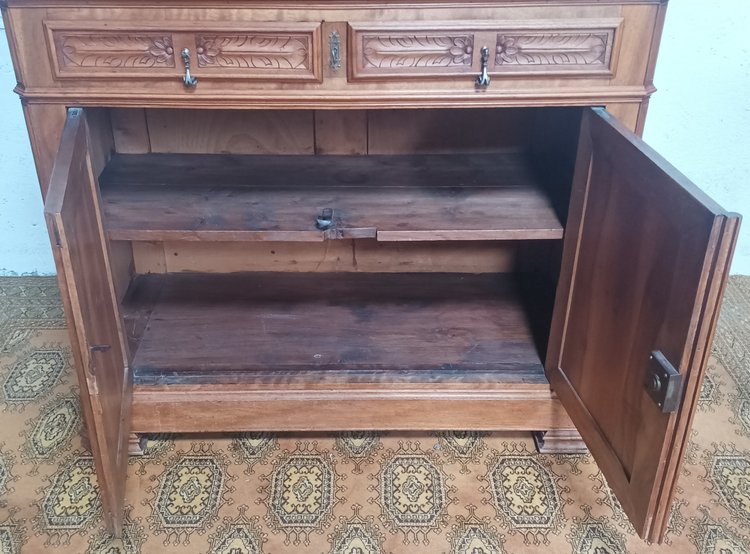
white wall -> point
(24, 246)
(700, 117)
(699, 120)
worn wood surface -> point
(628, 290)
(230, 328)
(390, 198)
(72, 215)
(272, 408)
(360, 255)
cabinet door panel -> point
(72, 215)
(645, 263)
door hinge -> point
(663, 383)
(56, 232)
(99, 347)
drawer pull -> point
(188, 79)
(483, 79)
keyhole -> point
(655, 384)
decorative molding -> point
(416, 51)
(254, 51)
(564, 50)
(115, 50)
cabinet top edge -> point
(306, 4)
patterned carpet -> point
(355, 494)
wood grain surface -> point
(450, 197)
(215, 328)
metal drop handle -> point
(483, 79)
(188, 79)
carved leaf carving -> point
(554, 49)
(411, 51)
(109, 50)
(256, 51)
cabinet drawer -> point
(256, 51)
(398, 51)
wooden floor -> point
(261, 327)
(392, 198)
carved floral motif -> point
(555, 49)
(254, 51)
(110, 50)
(412, 51)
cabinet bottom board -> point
(378, 330)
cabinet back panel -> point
(231, 132)
(447, 131)
(140, 131)
(366, 256)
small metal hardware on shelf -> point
(483, 79)
(325, 220)
(335, 46)
(188, 79)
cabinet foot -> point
(559, 441)
(137, 444)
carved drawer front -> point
(377, 51)
(289, 52)
(95, 50)
(586, 48)
(535, 48)
(262, 51)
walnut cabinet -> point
(285, 216)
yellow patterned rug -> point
(350, 493)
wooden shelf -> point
(391, 198)
(329, 328)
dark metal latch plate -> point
(663, 383)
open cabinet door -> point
(81, 255)
(645, 261)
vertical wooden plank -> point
(448, 131)
(101, 142)
(635, 40)
(130, 130)
(628, 113)
(231, 132)
(123, 267)
(341, 132)
(45, 124)
(148, 257)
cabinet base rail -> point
(197, 410)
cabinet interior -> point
(440, 265)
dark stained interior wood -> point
(391, 198)
(192, 328)
(626, 291)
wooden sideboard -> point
(352, 215)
